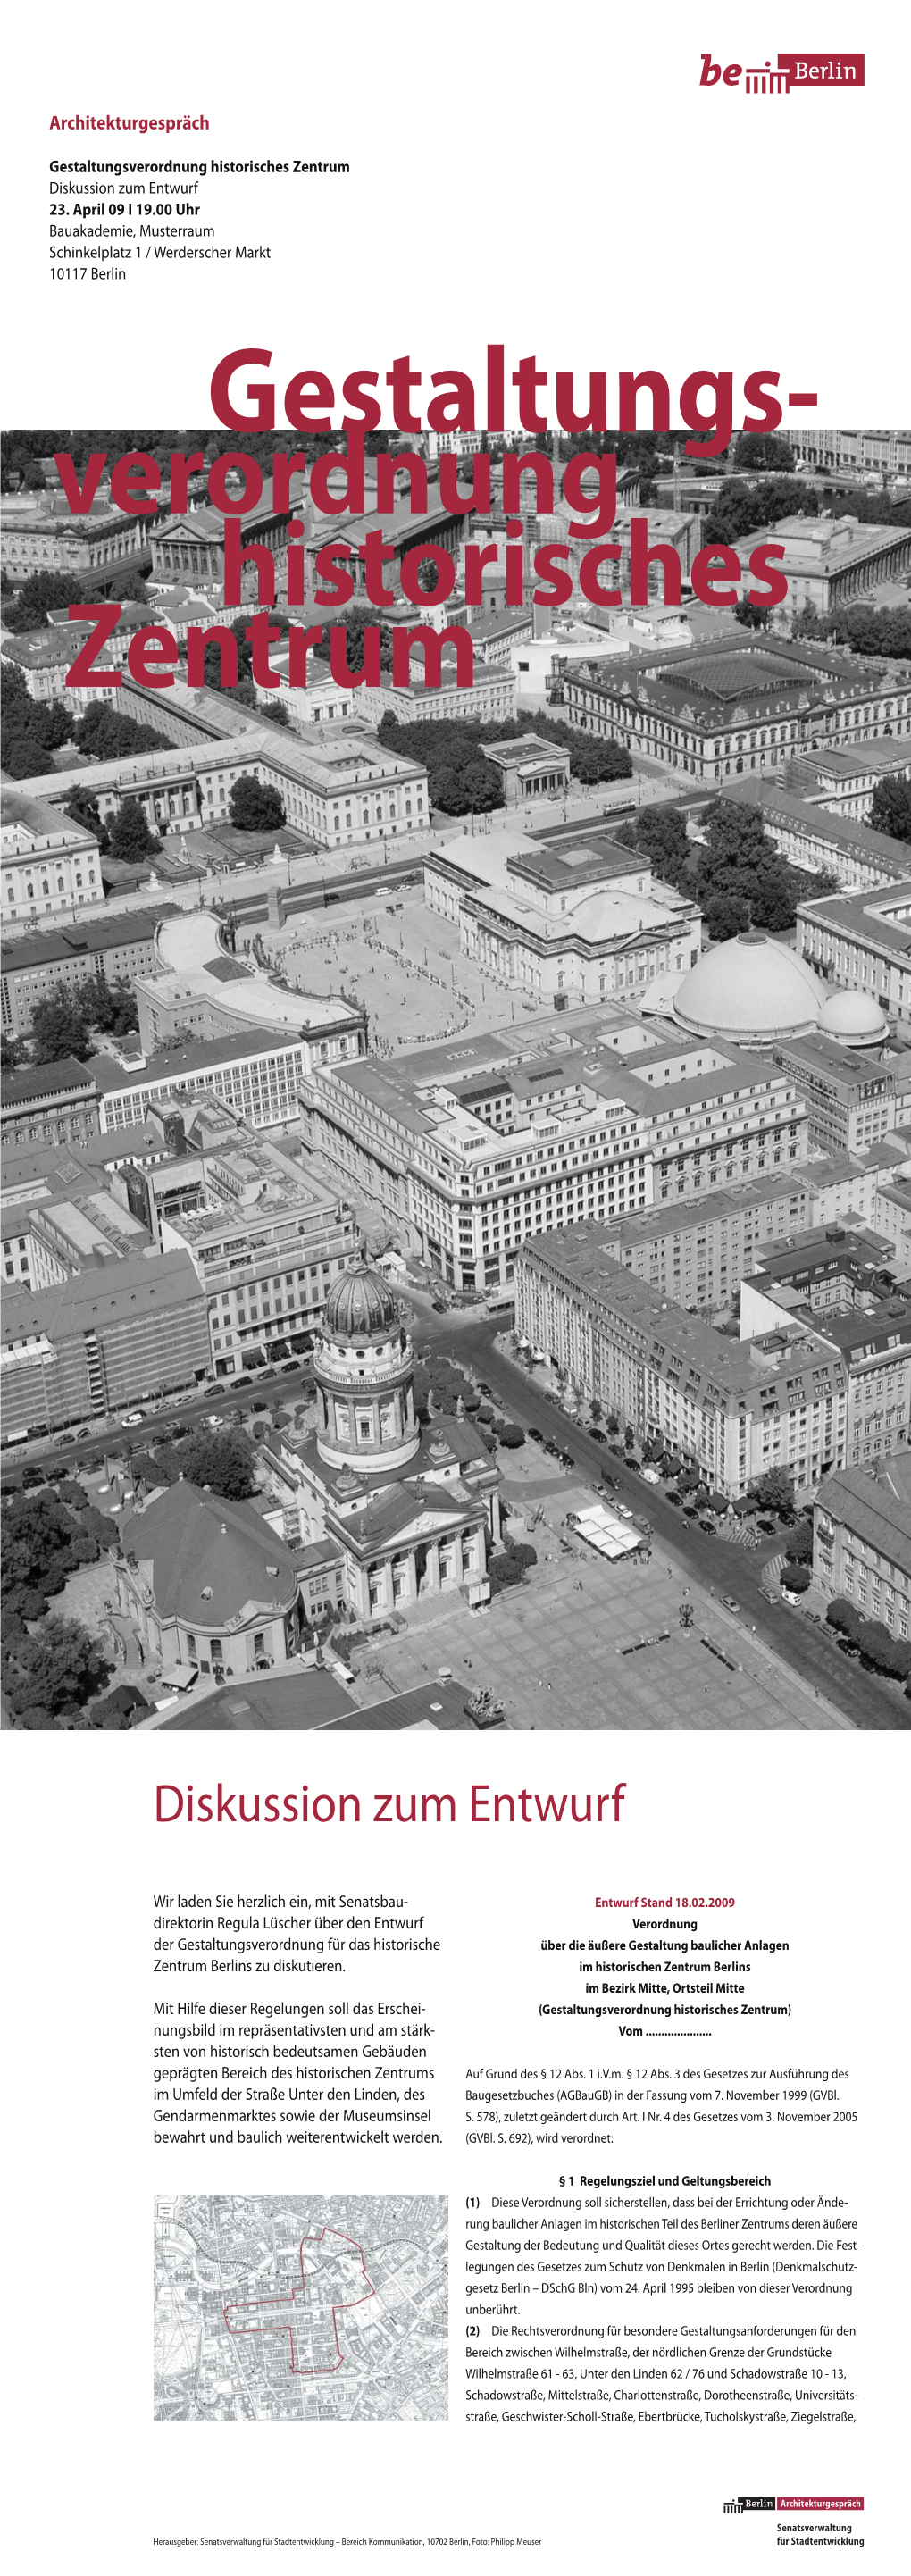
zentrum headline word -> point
(306, 1806)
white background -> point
(805, 1832)
(558, 180)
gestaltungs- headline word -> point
(306, 1806)
(309, 398)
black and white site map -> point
(301, 2310)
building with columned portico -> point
(414, 1506)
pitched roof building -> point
(862, 1541)
(208, 1585)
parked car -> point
(566, 1458)
(242, 1380)
(594, 1433)
(535, 1434)
(130, 1420)
(728, 1603)
(289, 1366)
(551, 1448)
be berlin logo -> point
(792, 72)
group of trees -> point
(744, 505)
(223, 1460)
(883, 632)
(102, 734)
(41, 591)
(737, 874)
(512, 1566)
(64, 1022)
(31, 729)
(461, 780)
(48, 1678)
(876, 1645)
(773, 1491)
(34, 728)
(439, 1387)
(890, 811)
(742, 881)
(253, 807)
(592, 763)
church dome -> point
(853, 1019)
(750, 991)
(360, 1305)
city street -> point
(808, 1648)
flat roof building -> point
(855, 1095)
(267, 1245)
(473, 1145)
(74, 953)
(101, 1340)
(863, 942)
(730, 1408)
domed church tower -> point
(364, 1368)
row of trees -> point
(461, 780)
(742, 506)
(34, 728)
(737, 875)
(883, 632)
(875, 1643)
(223, 1460)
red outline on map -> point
(237, 2307)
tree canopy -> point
(82, 807)
(223, 1460)
(62, 1667)
(737, 875)
(891, 808)
(41, 591)
(129, 836)
(32, 728)
(885, 633)
(774, 1490)
(60, 1026)
(462, 780)
(254, 807)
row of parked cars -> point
(552, 1447)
